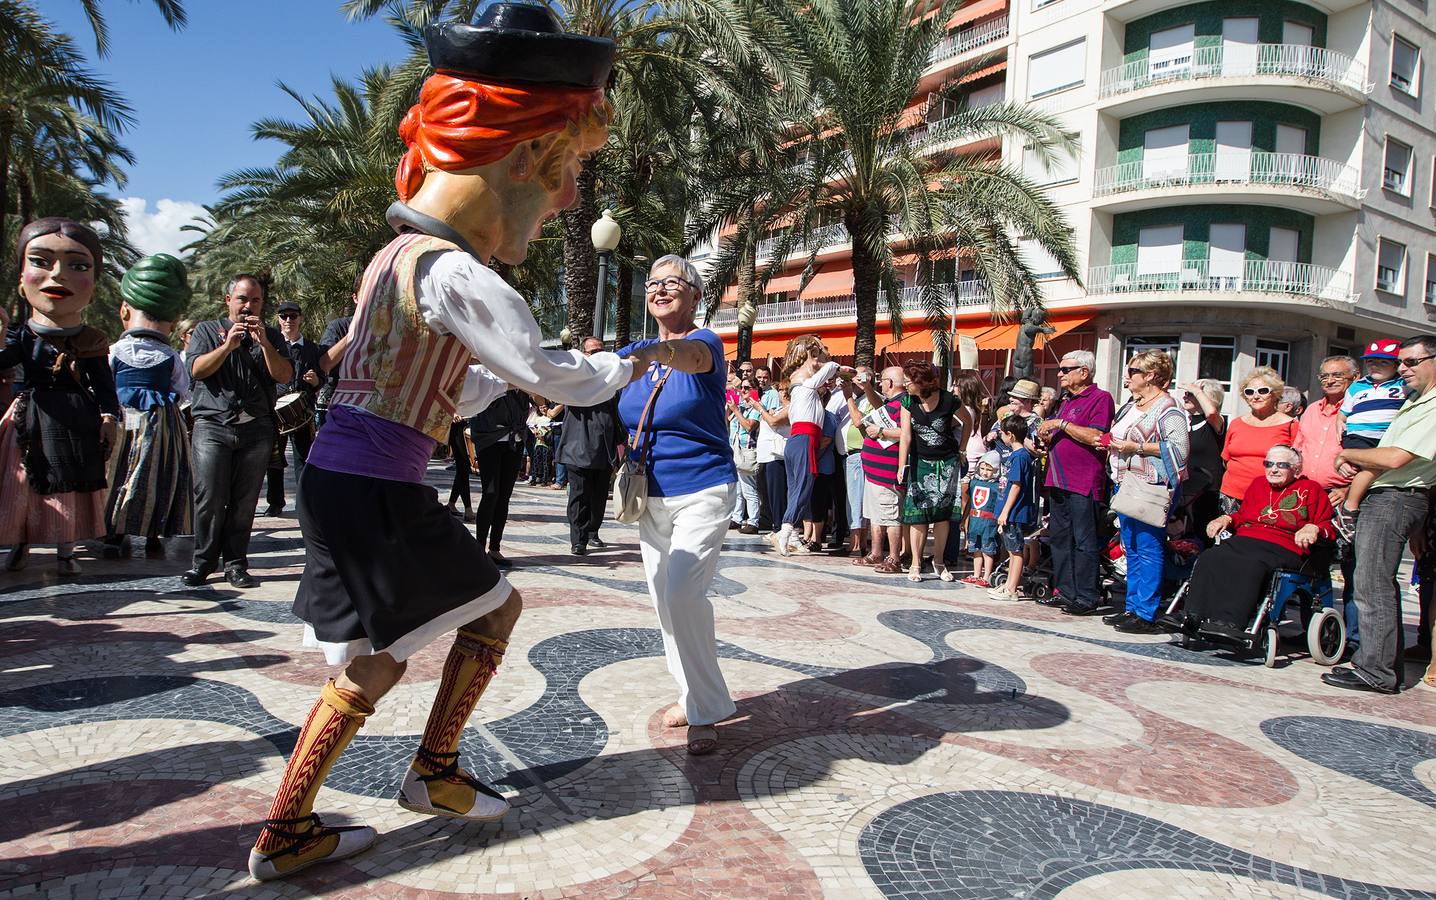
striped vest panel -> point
(396, 367)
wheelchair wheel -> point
(1269, 646)
(1326, 637)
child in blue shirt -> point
(981, 502)
(1018, 517)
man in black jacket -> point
(235, 363)
(304, 355)
(591, 437)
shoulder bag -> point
(1137, 498)
(630, 488)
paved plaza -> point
(892, 740)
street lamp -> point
(605, 234)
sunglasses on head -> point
(1256, 392)
(1276, 464)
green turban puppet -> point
(157, 286)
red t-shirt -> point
(1245, 450)
(1271, 515)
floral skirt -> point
(934, 491)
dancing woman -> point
(806, 369)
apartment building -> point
(1256, 184)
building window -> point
(1060, 169)
(1405, 66)
(1276, 354)
(1390, 266)
(1038, 4)
(1043, 265)
(1397, 174)
(1169, 344)
(1430, 294)
(1215, 359)
(1057, 69)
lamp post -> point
(605, 234)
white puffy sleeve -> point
(459, 296)
(481, 387)
(821, 377)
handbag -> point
(630, 488)
(745, 459)
(1150, 504)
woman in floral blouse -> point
(1281, 516)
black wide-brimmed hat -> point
(519, 43)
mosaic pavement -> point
(892, 740)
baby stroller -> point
(1036, 580)
(1181, 554)
(1308, 589)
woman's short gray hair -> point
(687, 269)
(1293, 456)
(1213, 389)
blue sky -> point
(195, 92)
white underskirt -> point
(338, 653)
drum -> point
(293, 411)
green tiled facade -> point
(1206, 19)
(1196, 231)
(1203, 117)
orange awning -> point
(781, 283)
(983, 73)
(1004, 337)
(831, 283)
(912, 115)
(979, 10)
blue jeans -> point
(800, 480)
(1143, 545)
(853, 474)
(1388, 517)
(745, 500)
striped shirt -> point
(1369, 407)
(879, 462)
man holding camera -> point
(235, 363)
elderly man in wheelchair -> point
(1280, 550)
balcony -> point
(1197, 283)
(1312, 184)
(963, 294)
(1129, 10)
(1313, 77)
(826, 236)
(964, 40)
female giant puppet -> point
(495, 144)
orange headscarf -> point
(458, 123)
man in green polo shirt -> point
(1394, 507)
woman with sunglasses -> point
(1252, 434)
(1281, 516)
(1149, 442)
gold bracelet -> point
(672, 351)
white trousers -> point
(681, 538)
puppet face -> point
(545, 174)
(57, 277)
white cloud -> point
(159, 231)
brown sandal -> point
(870, 560)
(888, 566)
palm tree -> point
(881, 182)
(14, 14)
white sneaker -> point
(1001, 593)
(488, 804)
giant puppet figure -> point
(495, 145)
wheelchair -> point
(1307, 591)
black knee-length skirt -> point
(387, 567)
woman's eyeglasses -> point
(1256, 392)
(668, 284)
(1133, 370)
(289, 315)
(1274, 464)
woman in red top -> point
(1251, 435)
(1281, 516)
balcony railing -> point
(1257, 168)
(1254, 276)
(969, 38)
(1335, 70)
(966, 293)
(826, 236)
